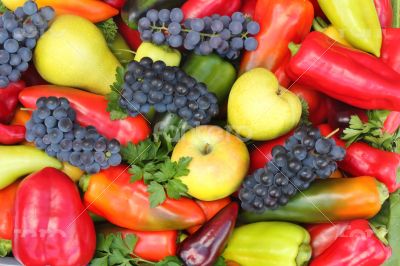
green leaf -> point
(157, 194)
(103, 261)
(305, 112)
(109, 29)
(117, 257)
(137, 173)
(182, 166)
(170, 261)
(176, 189)
(131, 241)
(104, 242)
(119, 244)
(220, 262)
(393, 227)
(113, 106)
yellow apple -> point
(219, 163)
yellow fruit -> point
(73, 172)
(171, 57)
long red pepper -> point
(346, 74)
(203, 8)
(9, 100)
(357, 245)
(385, 12)
(131, 36)
(11, 134)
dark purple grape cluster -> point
(223, 34)
(305, 156)
(167, 89)
(19, 31)
(53, 129)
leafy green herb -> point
(114, 249)
(220, 261)
(3, 8)
(305, 113)
(113, 106)
(371, 132)
(109, 29)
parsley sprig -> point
(113, 249)
(113, 106)
(109, 29)
(371, 132)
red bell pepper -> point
(317, 103)
(281, 22)
(390, 52)
(205, 246)
(127, 204)
(131, 36)
(362, 159)
(91, 111)
(118, 4)
(51, 225)
(281, 75)
(346, 74)
(385, 12)
(9, 100)
(153, 246)
(357, 245)
(11, 134)
(248, 7)
(7, 198)
(203, 8)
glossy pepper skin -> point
(357, 245)
(203, 8)
(153, 246)
(9, 100)
(248, 7)
(11, 134)
(392, 122)
(127, 204)
(390, 53)
(362, 159)
(269, 243)
(385, 12)
(346, 74)
(131, 36)
(91, 110)
(51, 225)
(7, 199)
(333, 199)
(18, 161)
(329, 30)
(218, 74)
(358, 20)
(281, 22)
(205, 246)
(94, 11)
(118, 4)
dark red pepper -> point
(385, 12)
(131, 36)
(248, 7)
(203, 8)
(339, 114)
(207, 244)
(118, 4)
(346, 74)
(51, 225)
(390, 52)
(362, 159)
(317, 9)
(11, 134)
(9, 100)
(357, 245)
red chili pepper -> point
(51, 225)
(358, 245)
(153, 246)
(118, 4)
(362, 159)
(281, 22)
(131, 36)
(9, 100)
(346, 74)
(91, 111)
(392, 122)
(203, 8)
(390, 52)
(248, 7)
(11, 134)
(127, 204)
(385, 12)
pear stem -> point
(332, 133)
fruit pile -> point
(200, 132)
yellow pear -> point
(74, 53)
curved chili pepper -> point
(346, 74)
(9, 100)
(131, 36)
(281, 22)
(362, 159)
(385, 12)
(91, 110)
(11, 134)
(127, 204)
(249, 7)
(7, 199)
(203, 8)
(153, 246)
(333, 199)
(51, 225)
(357, 245)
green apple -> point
(171, 57)
(259, 109)
(219, 163)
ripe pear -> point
(260, 109)
(74, 53)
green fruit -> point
(259, 109)
(171, 57)
(74, 53)
(121, 50)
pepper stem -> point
(382, 191)
(332, 133)
(319, 24)
(381, 233)
(304, 255)
(84, 182)
(396, 13)
(27, 109)
(294, 48)
(5, 247)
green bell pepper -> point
(18, 161)
(358, 20)
(171, 57)
(218, 74)
(269, 243)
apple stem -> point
(332, 133)
(207, 149)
